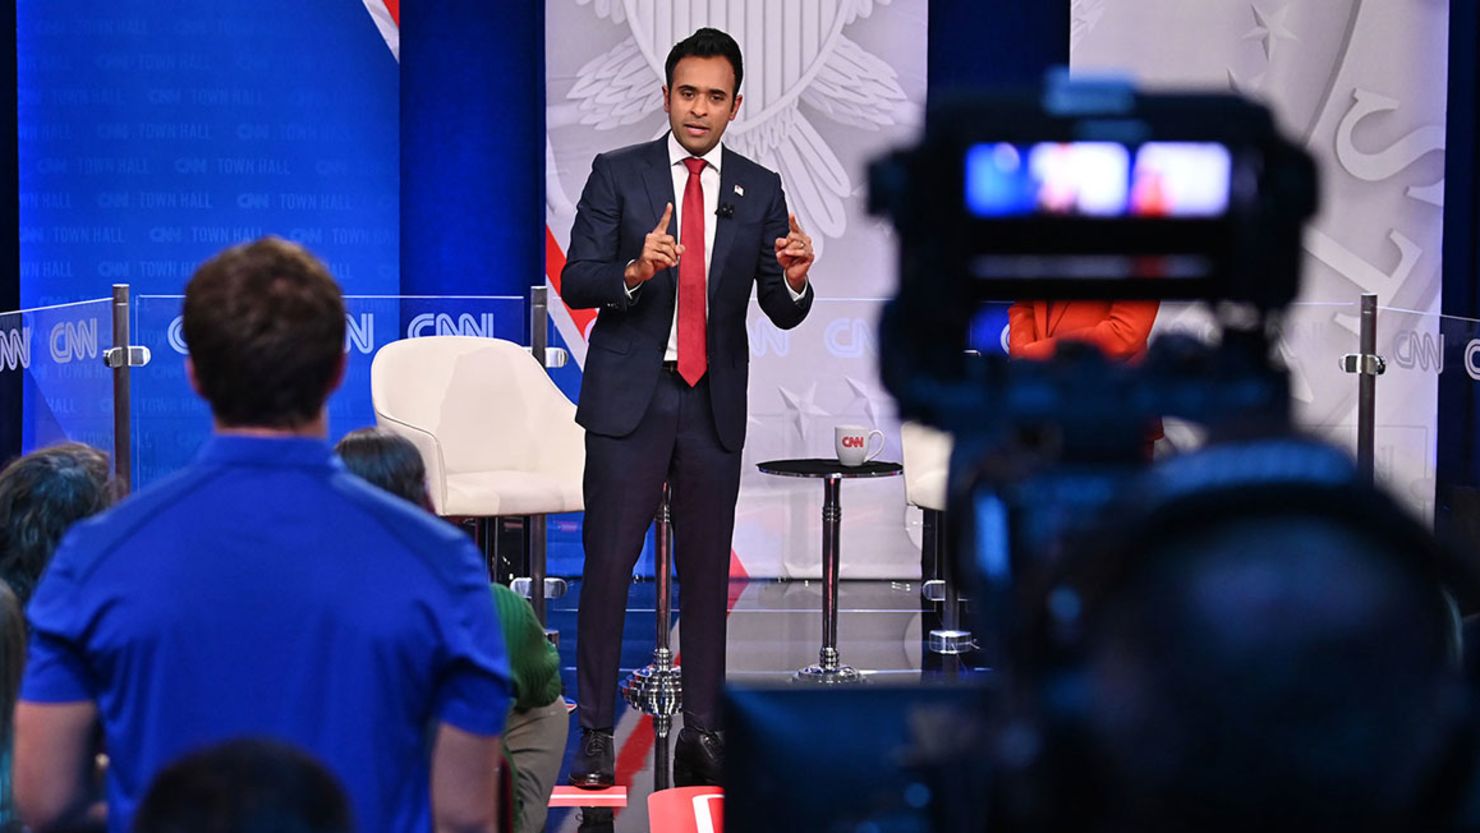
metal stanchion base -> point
(828, 670)
(818, 675)
(555, 588)
(951, 642)
(655, 689)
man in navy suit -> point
(669, 241)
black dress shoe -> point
(597, 820)
(594, 767)
(699, 759)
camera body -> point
(1082, 190)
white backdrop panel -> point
(1362, 84)
(829, 85)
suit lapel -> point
(658, 181)
(724, 227)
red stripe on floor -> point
(635, 750)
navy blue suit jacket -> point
(622, 201)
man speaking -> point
(669, 238)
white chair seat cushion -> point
(489, 493)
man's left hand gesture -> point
(794, 253)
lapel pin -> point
(739, 192)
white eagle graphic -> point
(796, 54)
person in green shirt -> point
(539, 723)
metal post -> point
(1367, 391)
(539, 322)
(829, 668)
(663, 653)
(664, 570)
(832, 521)
(950, 639)
(657, 689)
(123, 458)
(950, 614)
(1368, 366)
(535, 529)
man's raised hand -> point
(659, 251)
(794, 253)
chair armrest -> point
(565, 445)
(431, 454)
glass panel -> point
(1417, 347)
(1314, 338)
(53, 358)
(170, 421)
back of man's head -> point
(264, 322)
(245, 786)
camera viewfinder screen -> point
(1098, 179)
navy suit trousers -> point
(675, 441)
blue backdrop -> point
(153, 133)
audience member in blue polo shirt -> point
(265, 591)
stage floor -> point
(775, 627)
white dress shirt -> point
(709, 181)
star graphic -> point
(1270, 27)
(1244, 86)
(802, 407)
(863, 392)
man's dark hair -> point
(386, 460)
(245, 786)
(706, 43)
(41, 495)
(264, 322)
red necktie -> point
(693, 358)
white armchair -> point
(498, 437)
(927, 456)
(927, 460)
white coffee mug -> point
(852, 442)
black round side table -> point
(829, 668)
